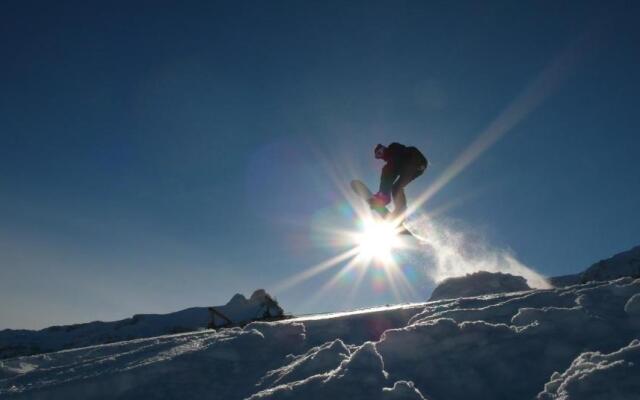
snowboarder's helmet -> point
(379, 151)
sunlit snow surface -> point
(569, 343)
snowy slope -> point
(69, 336)
(238, 310)
(567, 343)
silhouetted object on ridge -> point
(240, 311)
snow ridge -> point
(620, 265)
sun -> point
(377, 240)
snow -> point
(633, 306)
(17, 342)
(477, 284)
(453, 250)
(620, 265)
(239, 310)
(502, 346)
(315, 361)
(362, 375)
(594, 375)
(566, 280)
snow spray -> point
(453, 252)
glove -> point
(379, 200)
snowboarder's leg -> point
(399, 202)
(408, 174)
(388, 175)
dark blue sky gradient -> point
(160, 155)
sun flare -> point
(378, 239)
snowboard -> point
(365, 194)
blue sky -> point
(161, 155)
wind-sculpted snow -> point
(494, 310)
(508, 346)
(471, 358)
(594, 375)
(361, 376)
(315, 361)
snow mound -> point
(594, 375)
(477, 284)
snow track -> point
(567, 343)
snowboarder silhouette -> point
(403, 165)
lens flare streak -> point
(315, 270)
